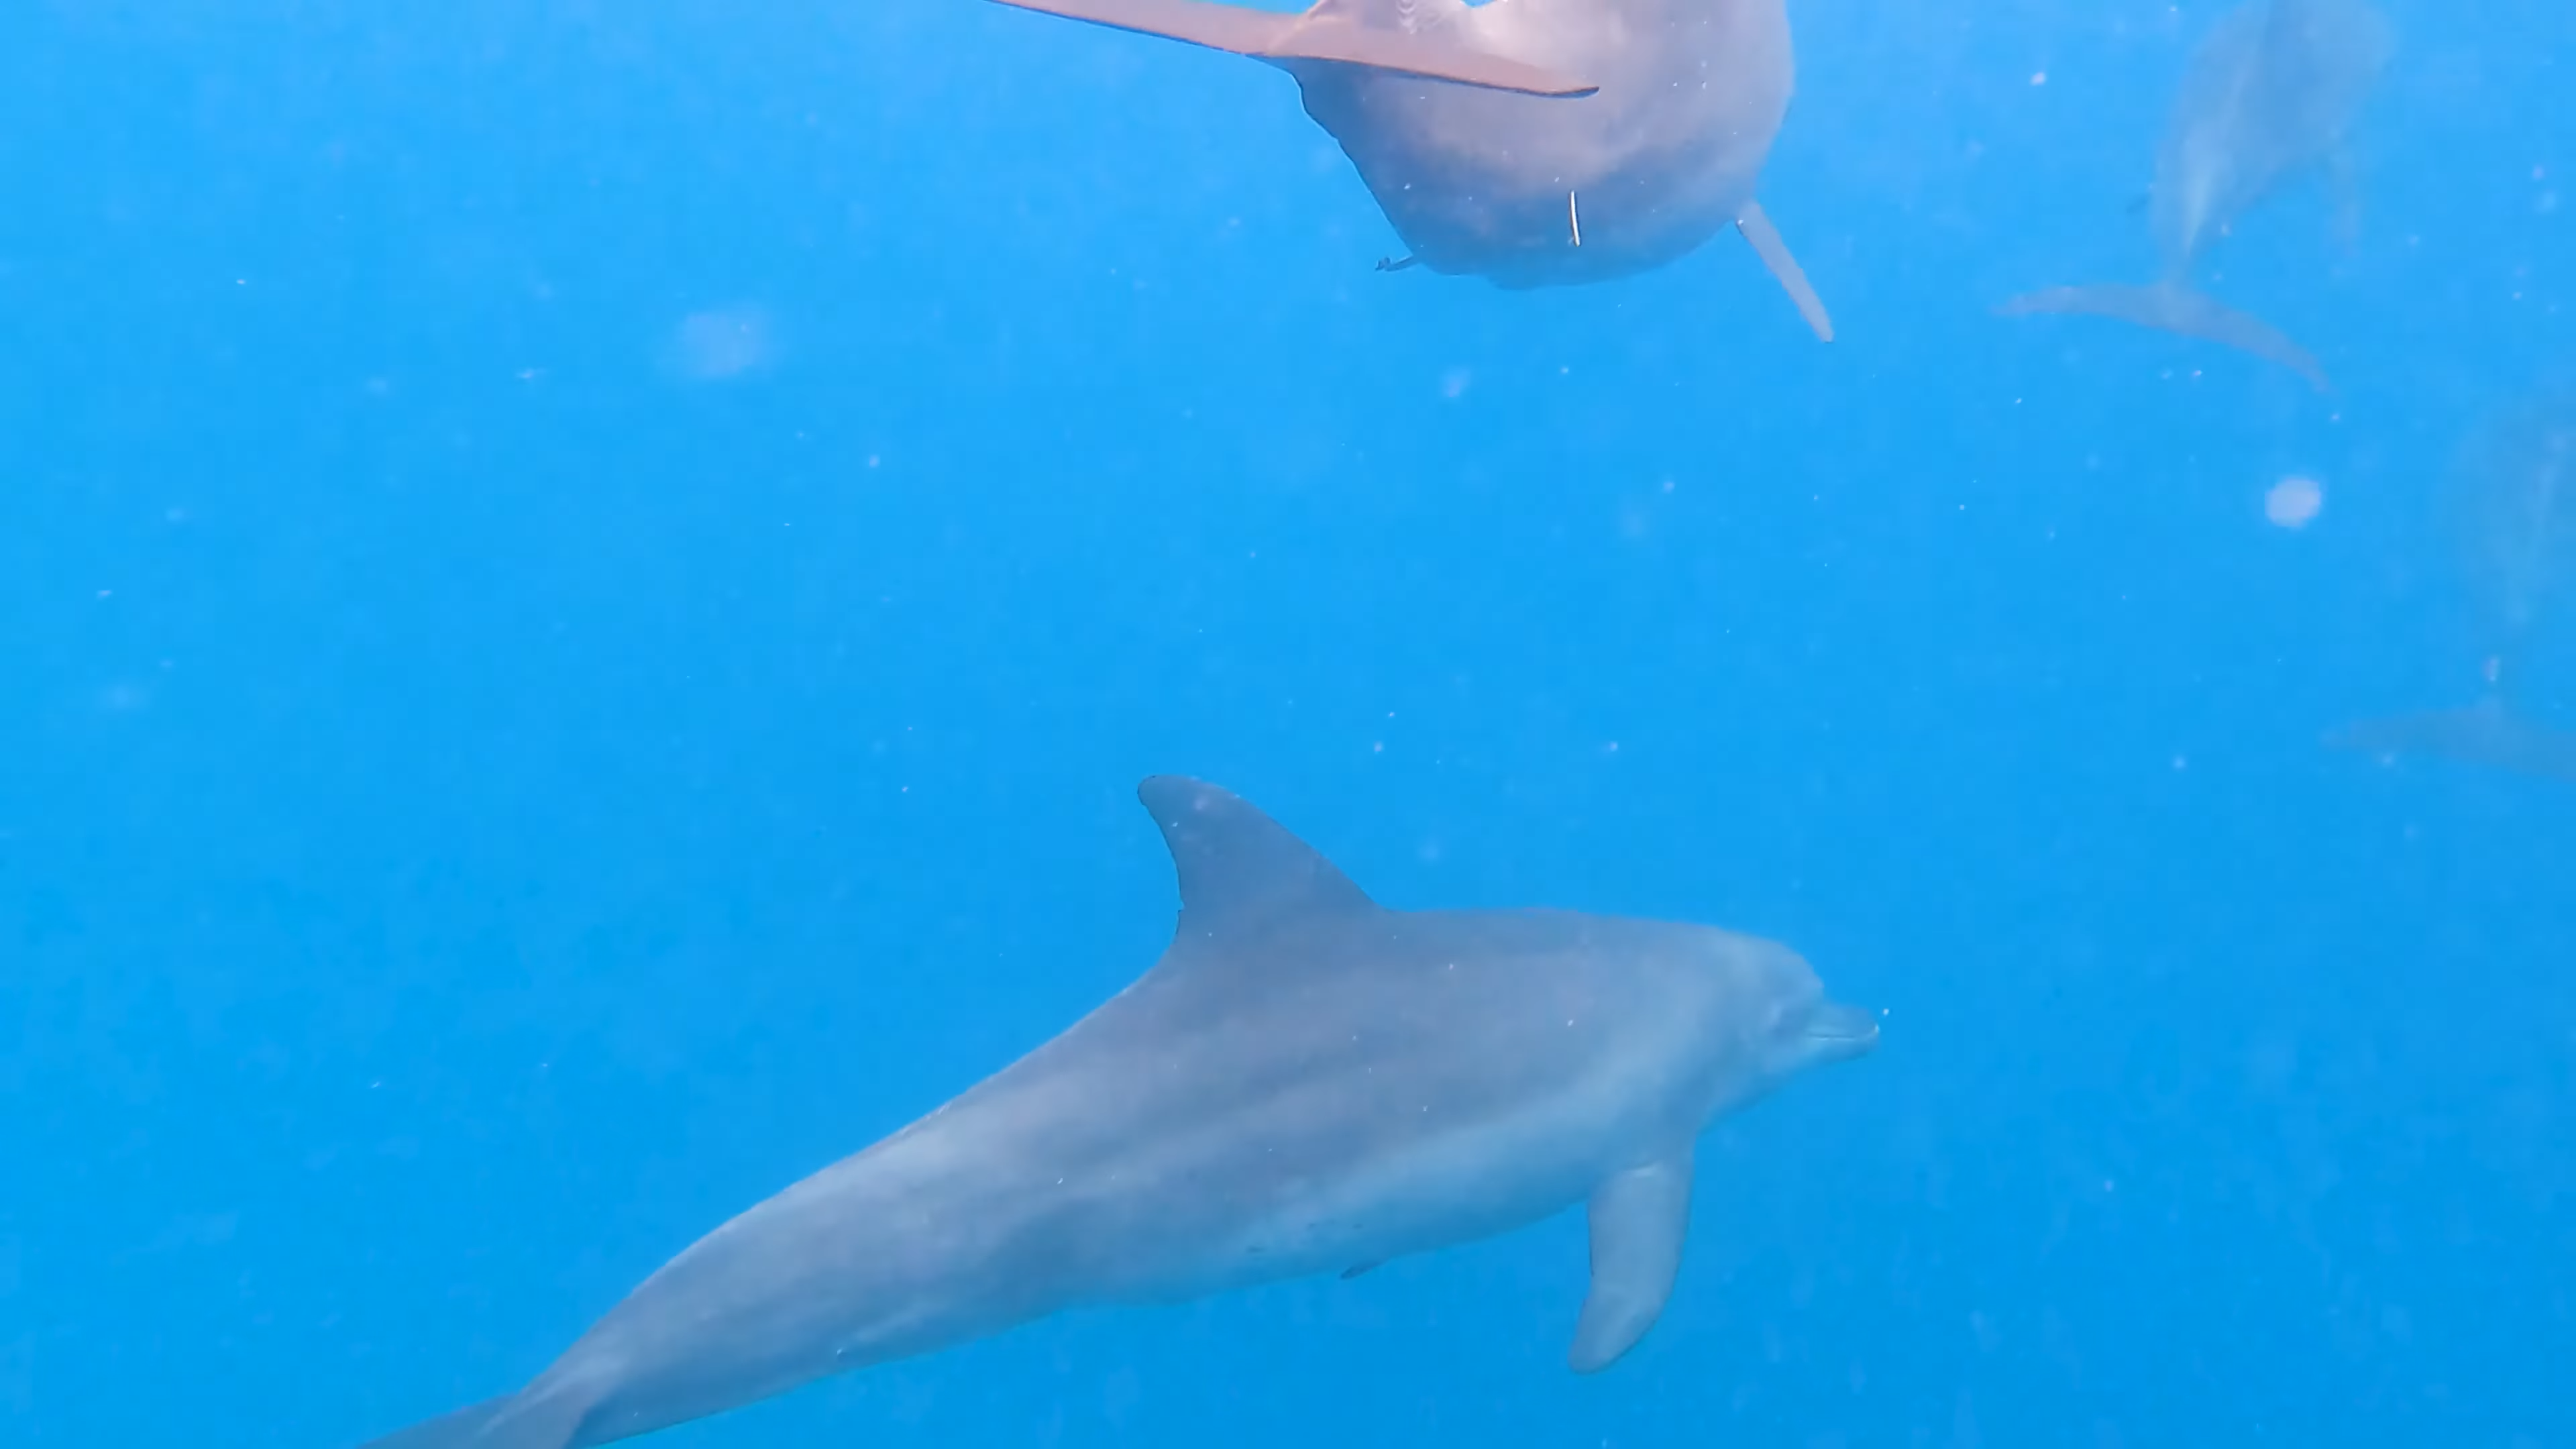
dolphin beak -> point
(1838, 1032)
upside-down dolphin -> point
(1532, 142)
(2270, 92)
(1306, 1082)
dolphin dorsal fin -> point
(1240, 870)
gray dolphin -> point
(2271, 91)
(2510, 501)
(1532, 142)
(1306, 1082)
(2510, 505)
(2489, 733)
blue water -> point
(496, 775)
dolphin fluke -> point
(2173, 307)
(1325, 33)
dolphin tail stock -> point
(529, 1419)
(1755, 225)
(2173, 307)
(1329, 32)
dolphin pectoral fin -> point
(2173, 307)
(530, 1419)
(1774, 253)
(1319, 35)
(1639, 1219)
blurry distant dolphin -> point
(2510, 507)
(2487, 733)
(2272, 90)
(2510, 501)
(1306, 1082)
(1457, 118)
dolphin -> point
(2270, 92)
(2488, 733)
(1531, 142)
(2509, 503)
(1306, 1082)
(2510, 500)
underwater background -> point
(584, 589)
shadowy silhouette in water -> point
(2510, 503)
(2270, 92)
(2509, 506)
(2487, 733)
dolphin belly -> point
(953, 1231)
(1442, 1192)
(1473, 190)
(1530, 191)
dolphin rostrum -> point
(1306, 1082)
(1532, 142)
(2271, 91)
